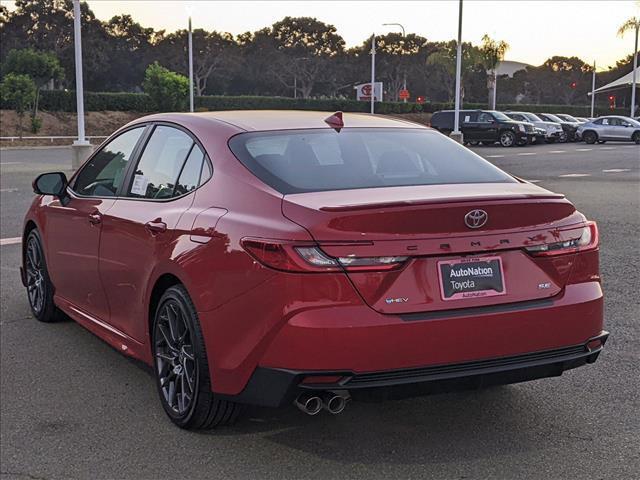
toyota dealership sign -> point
(363, 91)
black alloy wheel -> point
(39, 287)
(181, 367)
(590, 137)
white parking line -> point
(8, 190)
(616, 170)
(608, 148)
(10, 163)
(557, 151)
(526, 153)
(495, 156)
(10, 241)
(575, 175)
(583, 149)
(533, 181)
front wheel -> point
(563, 138)
(636, 138)
(181, 369)
(507, 139)
(39, 286)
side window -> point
(160, 164)
(485, 118)
(104, 173)
(469, 117)
(191, 175)
(605, 121)
(598, 122)
(518, 117)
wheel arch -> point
(591, 130)
(162, 283)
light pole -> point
(456, 134)
(633, 75)
(593, 89)
(404, 35)
(373, 72)
(81, 148)
(190, 67)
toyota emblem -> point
(476, 218)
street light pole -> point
(456, 120)
(373, 72)
(593, 89)
(404, 35)
(190, 68)
(633, 75)
(81, 147)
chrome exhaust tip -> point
(309, 404)
(333, 403)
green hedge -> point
(60, 100)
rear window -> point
(297, 161)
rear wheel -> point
(507, 138)
(636, 138)
(181, 368)
(39, 286)
(590, 137)
(563, 138)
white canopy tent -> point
(623, 82)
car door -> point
(611, 128)
(139, 231)
(469, 125)
(487, 127)
(73, 226)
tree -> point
(41, 67)
(443, 61)
(632, 24)
(18, 91)
(168, 90)
(305, 47)
(492, 53)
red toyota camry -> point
(265, 257)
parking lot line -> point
(616, 170)
(575, 175)
(533, 181)
(583, 149)
(495, 156)
(608, 148)
(10, 241)
(526, 153)
(557, 151)
(8, 190)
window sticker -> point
(139, 186)
(605, 121)
(467, 118)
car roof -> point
(267, 120)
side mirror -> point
(54, 183)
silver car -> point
(611, 127)
(552, 131)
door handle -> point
(95, 218)
(156, 226)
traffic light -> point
(612, 102)
(573, 84)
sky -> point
(534, 29)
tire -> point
(521, 143)
(550, 140)
(39, 287)
(563, 138)
(590, 137)
(181, 369)
(636, 138)
(507, 138)
(473, 143)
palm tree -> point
(492, 53)
(632, 24)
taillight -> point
(588, 240)
(310, 258)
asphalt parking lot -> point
(71, 407)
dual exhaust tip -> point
(311, 404)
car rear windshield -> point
(297, 161)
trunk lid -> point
(427, 223)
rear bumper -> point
(275, 387)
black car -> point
(569, 128)
(486, 127)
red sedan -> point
(275, 257)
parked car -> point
(611, 127)
(485, 126)
(569, 128)
(567, 118)
(582, 119)
(264, 258)
(552, 131)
